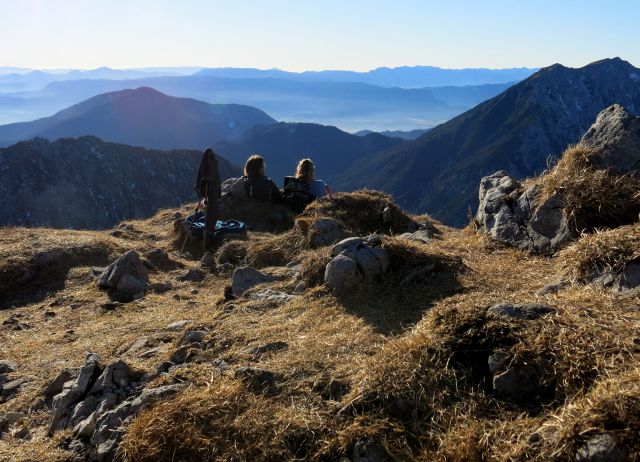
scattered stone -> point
(325, 231)
(127, 275)
(11, 388)
(13, 322)
(527, 311)
(221, 364)
(163, 367)
(422, 235)
(57, 384)
(517, 384)
(277, 296)
(348, 243)
(300, 288)
(192, 275)
(193, 336)
(246, 277)
(160, 287)
(255, 378)
(602, 447)
(177, 325)
(21, 433)
(552, 288)
(150, 353)
(7, 366)
(267, 347)
(207, 261)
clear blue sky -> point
(323, 34)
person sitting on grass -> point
(256, 184)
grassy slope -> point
(384, 344)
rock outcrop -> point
(127, 276)
(615, 138)
(96, 402)
(516, 216)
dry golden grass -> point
(609, 250)
(424, 343)
(593, 198)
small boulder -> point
(7, 366)
(246, 277)
(268, 347)
(127, 275)
(602, 447)
(342, 275)
(177, 325)
(11, 388)
(278, 297)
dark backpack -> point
(296, 194)
(258, 188)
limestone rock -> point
(602, 447)
(268, 347)
(246, 277)
(518, 218)
(69, 396)
(342, 275)
(127, 275)
(193, 275)
(278, 297)
(615, 137)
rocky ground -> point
(354, 333)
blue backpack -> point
(196, 224)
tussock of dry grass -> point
(593, 198)
(602, 251)
(361, 212)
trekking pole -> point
(204, 237)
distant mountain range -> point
(142, 117)
(283, 144)
(517, 130)
(88, 183)
(404, 135)
(401, 77)
(351, 106)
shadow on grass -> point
(392, 309)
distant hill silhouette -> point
(402, 134)
(349, 105)
(142, 117)
(517, 130)
(283, 144)
(88, 183)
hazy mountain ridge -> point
(142, 117)
(517, 130)
(284, 144)
(350, 105)
(91, 184)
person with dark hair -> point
(256, 184)
(208, 188)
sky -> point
(302, 35)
